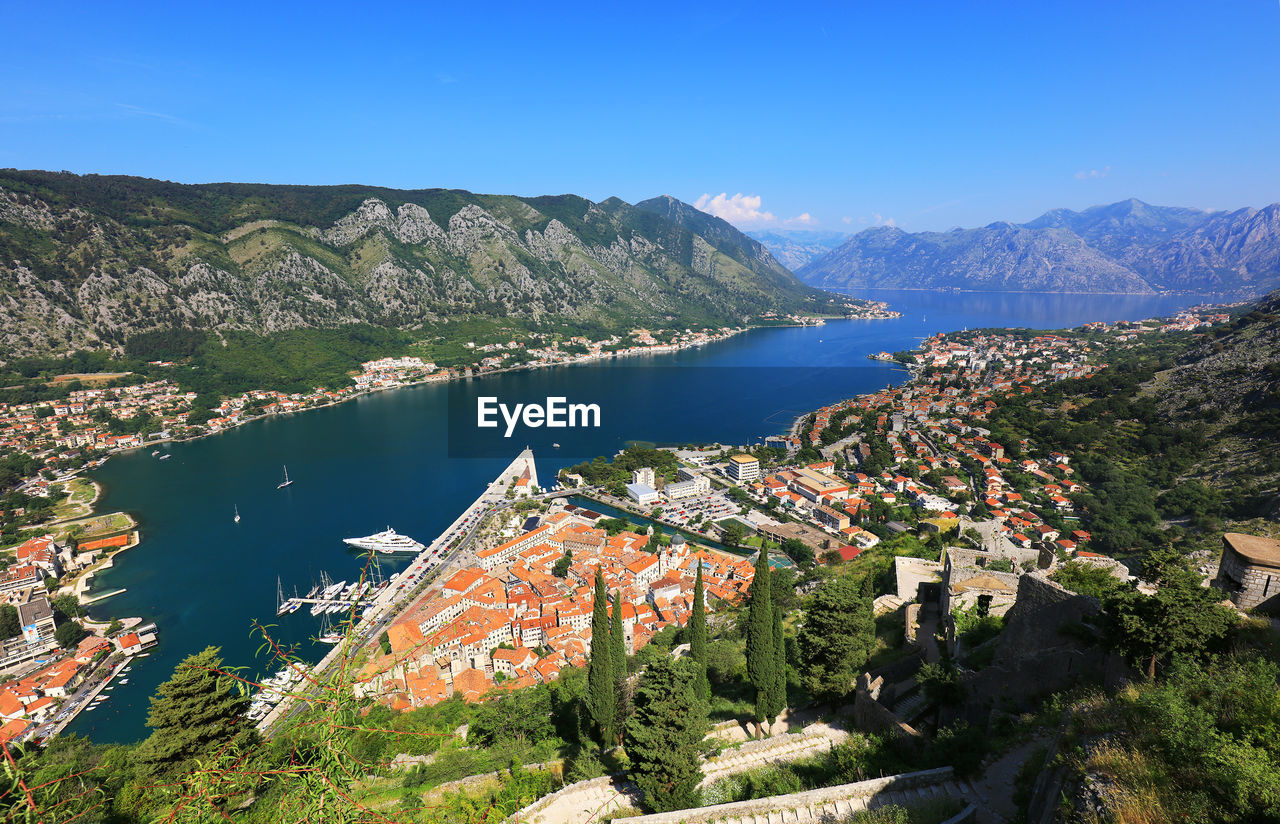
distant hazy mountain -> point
(89, 261)
(1129, 247)
(796, 247)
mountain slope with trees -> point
(1179, 429)
(88, 262)
(1127, 247)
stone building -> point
(967, 582)
(1249, 573)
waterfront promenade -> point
(455, 549)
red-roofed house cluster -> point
(509, 622)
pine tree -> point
(194, 714)
(836, 638)
(601, 689)
(761, 661)
(698, 636)
(664, 735)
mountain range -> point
(796, 247)
(1125, 247)
(89, 261)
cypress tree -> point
(867, 591)
(778, 696)
(618, 658)
(698, 636)
(601, 689)
(761, 661)
(618, 639)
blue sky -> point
(929, 115)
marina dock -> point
(329, 598)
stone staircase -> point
(908, 708)
(776, 750)
(585, 801)
(834, 804)
(885, 604)
(590, 801)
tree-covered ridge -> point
(91, 261)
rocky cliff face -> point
(86, 262)
(1127, 247)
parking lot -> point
(711, 507)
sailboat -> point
(237, 518)
(286, 480)
(328, 634)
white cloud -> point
(1093, 174)
(737, 209)
(881, 220)
(846, 219)
(748, 210)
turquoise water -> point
(392, 458)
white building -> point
(642, 494)
(743, 468)
(697, 485)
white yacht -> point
(388, 541)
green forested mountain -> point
(90, 261)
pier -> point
(93, 599)
(329, 605)
(328, 597)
